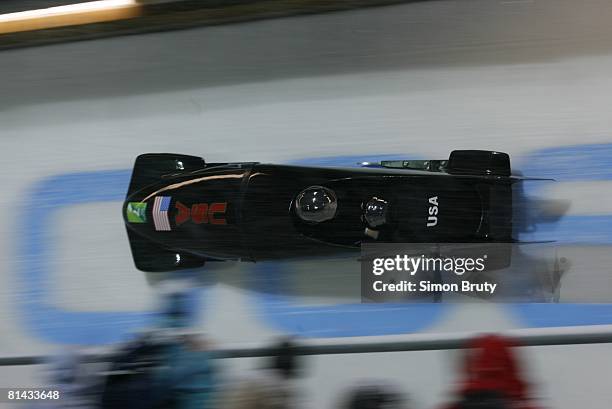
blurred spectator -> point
(274, 386)
(164, 367)
(375, 397)
(492, 377)
(483, 400)
(187, 374)
(161, 373)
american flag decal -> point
(160, 213)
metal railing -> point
(421, 342)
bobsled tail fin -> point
(475, 162)
(152, 257)
(151, 167)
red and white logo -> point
(201, 213)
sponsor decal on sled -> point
(432, 220)
(136, 212)
(200, 213)
(160, 213)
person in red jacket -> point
(492, 377)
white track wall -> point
(420, 79)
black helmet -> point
(316, 204)
(375, 212)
